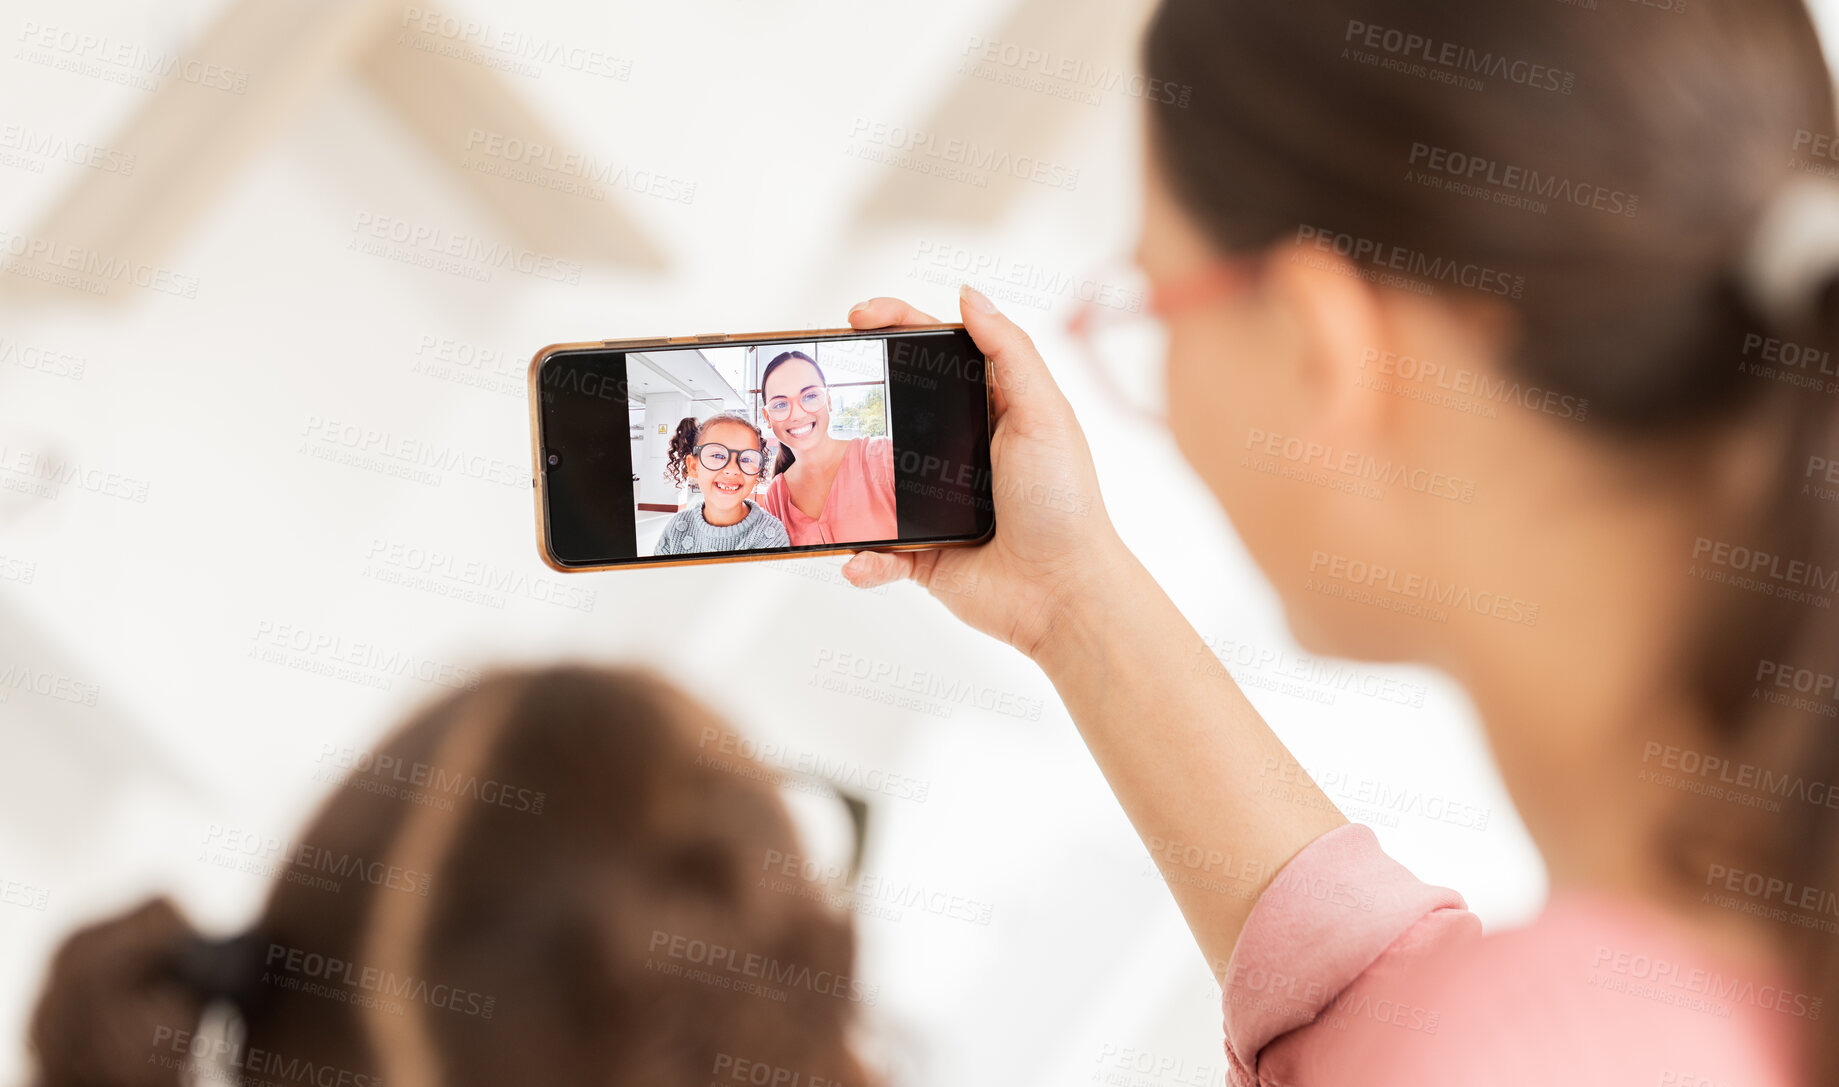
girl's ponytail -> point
(681, 443)
(121, 1001)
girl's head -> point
(1481, 277)
(797, 404)
(722, 456)
(516, 887)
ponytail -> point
(681, 443)
(123, 997)
(1794, 738)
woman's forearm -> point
(1190, 760)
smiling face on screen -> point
(726, 488)
(797, 387)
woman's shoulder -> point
(1351, 969)
(877, 454)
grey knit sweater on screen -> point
(688, 534)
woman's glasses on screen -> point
(808, 398)
(714, 456)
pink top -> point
(1351, 971)
(860, 506)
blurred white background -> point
(173, 502)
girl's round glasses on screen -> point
(714, 456)
(808, 398)
(1118, 329)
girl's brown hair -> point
(688, 436)
(552, 879)
(1611, 164)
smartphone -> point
(686, 449)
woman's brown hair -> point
(1603, 169)
(552, 879)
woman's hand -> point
(1053, 537)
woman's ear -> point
(1339, 322)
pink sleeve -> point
(881, 462)
(1337, 918)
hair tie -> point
(228, 969)
(1793, 252)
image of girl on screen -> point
(825, 489)
(722, 457)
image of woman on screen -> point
(825, 489)
(722, 457)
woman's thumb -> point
(1014, 362)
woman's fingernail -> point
(858, 308)
(975, 297)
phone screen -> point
(781, 446)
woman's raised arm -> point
(1171, 731)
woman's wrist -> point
(1080, 606)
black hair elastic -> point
(228, 969)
